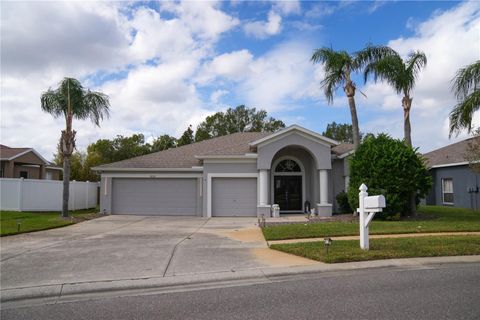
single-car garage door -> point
(154, 196)
(234, 197)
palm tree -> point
(386, 64)
(71, 100)
(339, 65)
(466, 87)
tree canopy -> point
(239, 119)
(342, 132)
(186, 138)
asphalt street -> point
(449, 291)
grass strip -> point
(36, 221)
(387, 248)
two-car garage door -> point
(155, 196)
(231, 197)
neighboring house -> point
(26, 163)
(241, 174)
(454, 182)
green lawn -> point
(438, 219)
(388, 248)
(35, 221)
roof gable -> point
(8, 153)
(292, 130)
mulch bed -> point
(85, 217)
(347, 218)
(337, 217)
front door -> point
(288, 192)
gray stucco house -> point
(241, 174)
(454, 182)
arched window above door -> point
(288, 165)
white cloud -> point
(280, 77)
(274, 81)
(154, 37)
(264, 29)
(287, 7)
(57, 39)
(376, 5)
(217, 95)
(155, 98)
(205, 19)
(320, 9)
(450, 40)
(232, 66)
(63, 37)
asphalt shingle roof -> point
(342, 148)
(453, 153)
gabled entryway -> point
(294, 165)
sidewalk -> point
(65, 292)
(376, 236)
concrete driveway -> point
(133, 247)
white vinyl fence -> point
(45, 195)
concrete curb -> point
(81, 290)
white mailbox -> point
(374, 203)
(368, 207)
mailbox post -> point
(368, 207)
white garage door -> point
(234, 197)
(154, 196)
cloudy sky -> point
(166, 65)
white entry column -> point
(263, 208)
(324, 208)
(263, 186)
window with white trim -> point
(447, 190)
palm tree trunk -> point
(350, 93)
(68, 142)
(407, 104)
(407, 130)
(355, 129)
(66, 185)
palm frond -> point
(52, 102)
(371, 54)
(390, 69)
(97, 106)
(462, 114)
(466, 80)
(337, 64)
(416, 61)
(323, 55)
(330, 84)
